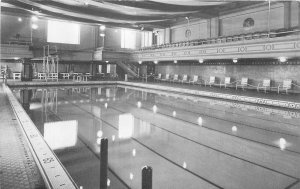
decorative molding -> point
(11, 51)
(266, 48)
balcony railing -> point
(225, 39)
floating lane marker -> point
(53, 172)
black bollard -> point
(103, 163)
(147, 177)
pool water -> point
(189, 141)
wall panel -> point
(232, 24)
(256, 73)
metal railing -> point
(224, 39)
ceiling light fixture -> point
(20, 19)
(140, 62)
(102, 34)
(34, 18)
(102, 27)
(201, 60)
(155, 62)
(175, 61)
(34, 26)
(235, 60)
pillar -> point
(287, 15)
(147, 177)
(93, 68)
(103, 163)
(27, 72)
(168, 35)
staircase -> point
(129, 68)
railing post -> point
(147, 177)
(103, 163)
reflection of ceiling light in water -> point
(282, 143)
(184, 165)
(133, 152)
(108, 182)
(99, 134)
(234, 129)
(174, 113)
(139, 104)
(113, 138)
(154, 108)
(200, 120)
(105, 105)
(131, 176)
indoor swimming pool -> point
(191, 142)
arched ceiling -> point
(132, 14)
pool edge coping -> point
(52, 170)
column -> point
(287, 15)
(167, 35)
(27, 72)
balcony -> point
(10, 51)
(257, 45)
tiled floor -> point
(18, 169)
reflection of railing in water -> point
(284, 113)
(49, 101)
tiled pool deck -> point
(31, 158)
(18, 168)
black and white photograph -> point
(150, 94)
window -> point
(146, 39)
(63, 32)
(128, 39)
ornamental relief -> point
(253, 48)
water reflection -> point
(25, 98)
(61, 134)
(126, 125)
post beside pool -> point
(103, 163)
(147, 177)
